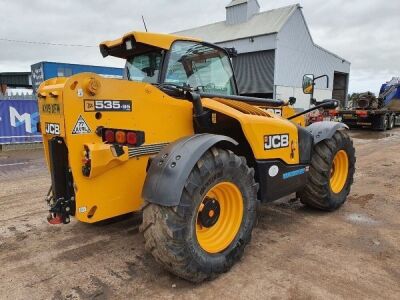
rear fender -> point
(324, 130)
(170, 169)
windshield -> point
(200, 66)
(144, 67)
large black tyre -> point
(391, 122)
(170, 232)
(320, 191)
(380, 123)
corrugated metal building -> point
(275, 49)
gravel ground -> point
(295, 253)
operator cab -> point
(189, 64)
(185, 63)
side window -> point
(144, 67)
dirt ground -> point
(295, 253)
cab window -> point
(144, 67)
(201, 67)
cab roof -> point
(143, 39)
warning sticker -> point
(81, 127)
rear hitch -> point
(60, 209)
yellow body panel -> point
(115, 190)
(159, 40)
(255, 128)
(115, 184)
(288, 111)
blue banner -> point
(18, 119)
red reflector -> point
(362, 113)
(131, 138)
(109, 136)
(120, 137)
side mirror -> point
(308, 84)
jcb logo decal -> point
(276, 141)
(52, 128)
(89, 105)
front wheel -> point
(331, 173)
(206, 233)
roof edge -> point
(232, 3)
(312, 40)
(259, 13)
(295, 8)
(331, 53)
(253, 36)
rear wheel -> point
(380, 123)
(331, 173)
(207, 232)
(391, 122)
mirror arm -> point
(324, 104)
(322, 76)
(312, 99)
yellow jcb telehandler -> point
(174, 139)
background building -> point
(275, 49)
(45, 70)
(15, 83)
(19, 112)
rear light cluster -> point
(333, 112)
(362, 113)
(123, 137)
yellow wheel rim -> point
(225, 219)
(339, 171)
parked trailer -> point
(375, 119)
(378, 113)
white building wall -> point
(236, 14)
(252, 8)
(258, 43)
(242, 12)
(296, 55)
(302, 100)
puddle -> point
(360, 219)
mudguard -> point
(324, 130)
(170, 169)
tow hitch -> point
(60, 209)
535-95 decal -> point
(108, 105)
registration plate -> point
(51, 108)
(349, 116)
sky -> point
(364, 32)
